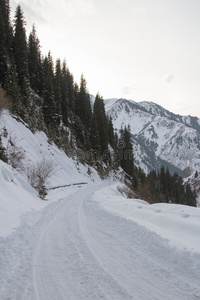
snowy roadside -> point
(179, 224)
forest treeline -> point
(43, 93)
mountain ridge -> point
(158, 135)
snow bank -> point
(179, 224)
(16, 198)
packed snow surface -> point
(75, 248)
(87, 241)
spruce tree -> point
(49, 106)
(94, 138)
(102, 125)
(21, 51)
(58, 92)
(34, 62)
(83, 106)
(70, 91)
(190, 196)
(6, 37)
(12, 87)
(111, 136)
(64, 94)
(126, 156)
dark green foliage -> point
(165, 187)
(126, 151)
(49, 106)
(141, 176)
(5, 40)
(12, 87)
(68, 86)
(65, 94)
(58, 92)
(190, 196)
(94, 135)
(21, 52)
(8, 73)
(83, 106)
(79, 132)
(34, 62)
(111, 135)
(102, 125)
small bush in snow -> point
(15, 156)
(38, 175)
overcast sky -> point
(134, 49)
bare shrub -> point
(15, 156)
(38, 175)
(126, 192)
(5, 101)
(3, 155)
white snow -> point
(16, 198)
(179, 224)
(87, 241)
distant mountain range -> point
(158, 136)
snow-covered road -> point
(76, 250)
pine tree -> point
(70, 90)
(102, 125)
(79, 132)
(5, 40)
(162, 178)
(58, 92)
(111, 136)
(49, 106)
(34, 62)
(190, 196)
(126, 156)
(21, 52)
(83, 106)
(12, 87)
(94, 137)
(65, 94)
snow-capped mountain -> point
(159, 136)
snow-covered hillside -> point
(87, 241)
(159, 136)
(16, 194)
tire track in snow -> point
(64, 266)
(76, 250)
(138, 259)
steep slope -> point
(35, 148)
(159, 136)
